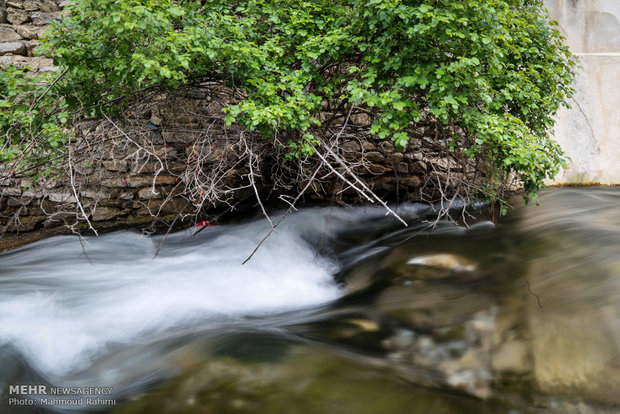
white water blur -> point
(63, 306)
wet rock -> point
(458, 354)
(402, 340)
(512, 358)
(451, 262)
(428, 307)
(310, 381)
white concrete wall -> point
(589, 132)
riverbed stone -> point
(512, 357)
(424, 306)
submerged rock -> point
(446, 261)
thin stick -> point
(161, 243)
(75, 194)
(361, 183)
(527, 282)
(36, 102)
(284, 215)
(342, 177)
(260, 203)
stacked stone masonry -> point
(22, 23)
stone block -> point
(15, 4)
(178, 136)
(15, 48)
(30, 46)
(116, 182)
(375, 156)
(32, 194)
(26, 32)
(386, 147)
(368, 146)
(47, 6)
(105, 213)
(168, 207)
(411, 182)
(61, 197)
(147, 193)
(16, 16)
(126, 195)
(351, 146)
(30, 223)
(41, 18)
(18, 201)
(11, 192)
(402, 167)
(44, 69)
(165, 180)
(115, 165)
(376, 169)
(7, 34)
(31, 5)
(419, 167)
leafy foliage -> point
(32, 120)
(492, 72)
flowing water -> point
(340, 310)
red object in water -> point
(202, 223)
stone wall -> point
(22, 23)
(158, 162)
(589, 132)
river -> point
(340, 310)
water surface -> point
(339, 308)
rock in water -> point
(445, 261)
